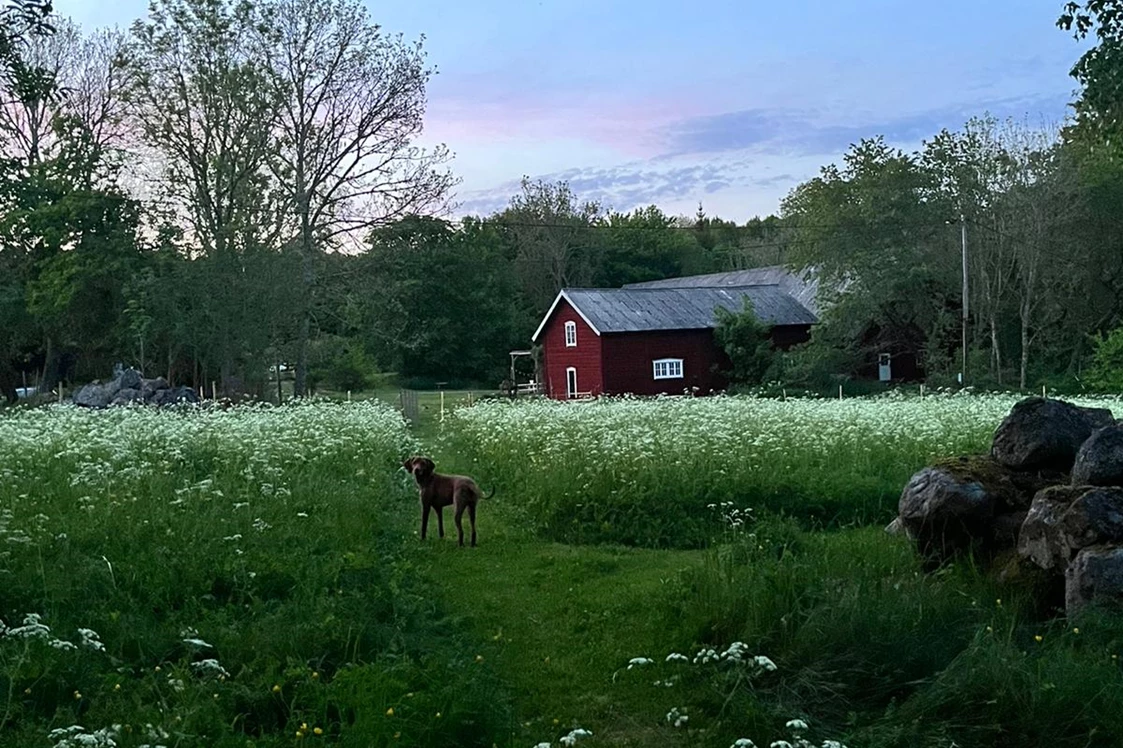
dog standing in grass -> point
(438, 491)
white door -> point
(571, 383)
(884, 370)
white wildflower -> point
(91, 640)
(676, 657)
(766, 664)
(209, 667)
(638, 662)
(796, 726)
(573, 736)
(743, 743)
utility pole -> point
(963, 239)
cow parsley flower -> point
(638, 662)
(573, 736)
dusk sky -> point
(726, 103)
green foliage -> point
(747, 342)
(1106, 372)
(447, 309)
(342, 364)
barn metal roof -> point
(803, 286)
(643, 309)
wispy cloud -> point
(809, 132)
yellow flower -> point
(390, 712)
(318, 730)
(397, 735)
(303, 725)
(998, 601)
(1076, 630)
(315, 676)
(438, 715)
(556, 720)
(27, 691)
(990, 630)
(276, 688)
(157, 668)
(479, 658)
(117, 687)
(1038, 638)
(77, 695)
(300, 733)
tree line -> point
(230, 188)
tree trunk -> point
(1025, 344)
(995, 349)
(307, 281)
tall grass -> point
(870, 649)
(244, 572)
(645, 471)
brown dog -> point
(438, 491)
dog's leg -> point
(460, 527)
(472, 518)
(424, 519)
(440, 521)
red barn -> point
(650, 341)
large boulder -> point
(1065, 519)
(125, 396)
(94, 395)
(968, 502)
(1043, 434)
(1096, 574)
(149, 388)
(1099, 462)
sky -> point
(724, 103)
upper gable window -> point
(570, 334)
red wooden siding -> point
(586, 357)
(628, 358)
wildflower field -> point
(219, 578)
(645, 471)
(674, 572)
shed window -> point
(668, 368)
(570, 334)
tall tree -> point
(206, 105)
(351, 104)
(555, 248)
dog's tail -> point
(488, 495)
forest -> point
(231, 188)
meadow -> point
(674, 572)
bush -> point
(1106, 372)
(747, 343)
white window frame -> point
(571, 391)
(571, 334)
(667, 368)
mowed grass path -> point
(556, 621)
(559, 622)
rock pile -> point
(129, 387)
(1051, 489)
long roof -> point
(803, 286)
(609, 310)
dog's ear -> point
(427, 465)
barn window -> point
(570, 334)
(668, 368)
